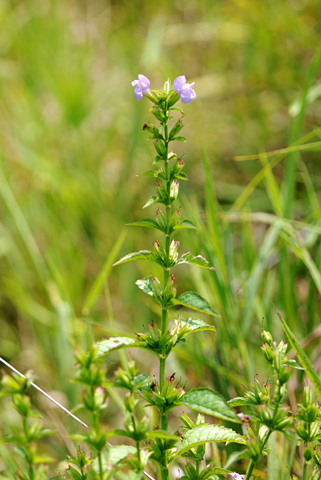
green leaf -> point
(240, 402)
(117, 454)
(177, 109)
(195, 325)
(145, 285)
(114, 456)
(195, 302)
(154, 173)
(208, 433)
(115, 343)
(178, 139)
(151, 201)
(146, 222)
(207, 401)
(162, 434)
(198, 261)
(185, 224)
(302, 356)
(8, 438)
(142, 255)
(181, 176)
(44, 459)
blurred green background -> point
(71, 145)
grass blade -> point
(302, 356)
(104, 273)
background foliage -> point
(71, 145)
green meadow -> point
(72, 147)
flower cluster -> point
(184, 90)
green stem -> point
(162, 362)
(29, 455)
(304, 470)
(198, 462)
(252, 462)
(249, 470)
(100, 466)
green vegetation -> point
(71, 145)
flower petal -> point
(187, 95)
(144, 82)
(179, 82)
(138, 94)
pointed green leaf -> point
(142, 255)
(195, 302)
(196, 325)
(163, 435)
(178, 139)
(177, 109)
(113, 456)
(180, 176)
(302, 356)
(151, 201)
(145, 285)
(241, 401)
(185, 224)
(208, 433)
(8, 438)
(198, 261)
(154, 173)
(207, 401)
(115, 343)
(146, 222)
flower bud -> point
(160, 190)
(143, 425)
(284, 375)
(172, 287)
(129, 402)
(308, 452)
(317, 456)
(160, 148)
(268, 352)
(99, 397)
(277, 356)
(156, 287)
(307, 396)
(285, 423)
(314, 430)
(178, 167)
(22, 403)
(172, 99)
(160, 252)
(174, 190)
(301, 432)
(173, 254)
(266, 337)
(311, 412)
(11, 384)
(167, 86)
(161, 219)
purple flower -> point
(141, 86)
(236, 476)
(184, 89)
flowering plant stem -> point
(162, 361)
